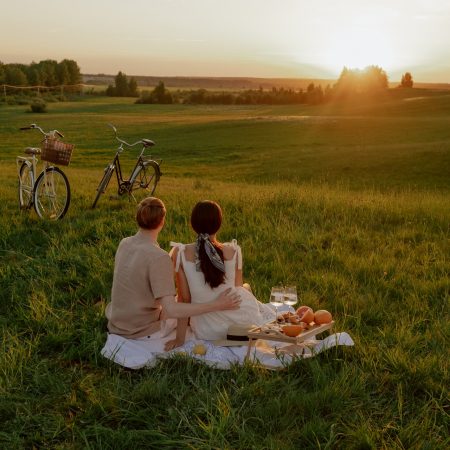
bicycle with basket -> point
(49, 192)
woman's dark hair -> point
(206, 217)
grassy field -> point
(350, 202)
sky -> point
(249, 38)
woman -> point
(206, 268)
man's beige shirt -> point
(143, 272)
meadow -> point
(348, 201)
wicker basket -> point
(56, 152)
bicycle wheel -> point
(26, 182)
(147, 177)
(51, 194)
(103, 184)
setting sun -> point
(358, 49)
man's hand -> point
(174, 343)
(228, 299)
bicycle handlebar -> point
(33, 126)
(121, 140)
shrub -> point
(38, 106)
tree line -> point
(47, 73)
(352, 83)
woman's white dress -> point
(214, 325)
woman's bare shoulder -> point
(189, 252)
(228, 250)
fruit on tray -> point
(292, 330)
(306, 314)
(303, 317)
(322, 316)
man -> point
(143, 285)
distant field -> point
(213, 83)
(234, 83)
(399, 143)
(348, 201)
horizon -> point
(199, 77)
(256, 39)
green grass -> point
(350, 203)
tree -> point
(314, 94)
(74, 71)
(161, 95)
(34, 75)
(347, 84)
(407, 81)
(15, 76)
(110, 91)
(132, 88)
(62, 73)
(122, 86)
(372, 79)
(2, 73)
(47, 68)
(121, 82)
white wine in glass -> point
(290, 295)
(277, 298)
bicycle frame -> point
(127, 185)
(20, 160)
(145, 174)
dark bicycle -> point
(145, 174)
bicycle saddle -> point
(147, 143)
(32, 151)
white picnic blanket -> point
(145, 352)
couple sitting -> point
(208, 274)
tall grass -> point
(377, 258)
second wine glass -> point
(290, 295)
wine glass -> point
(276, 298)
(290, 295)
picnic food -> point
(292, 330)
(306, 314)
(294, 319)
(285, 317)
(322, 316)
(199, 349)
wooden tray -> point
(271, 332)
